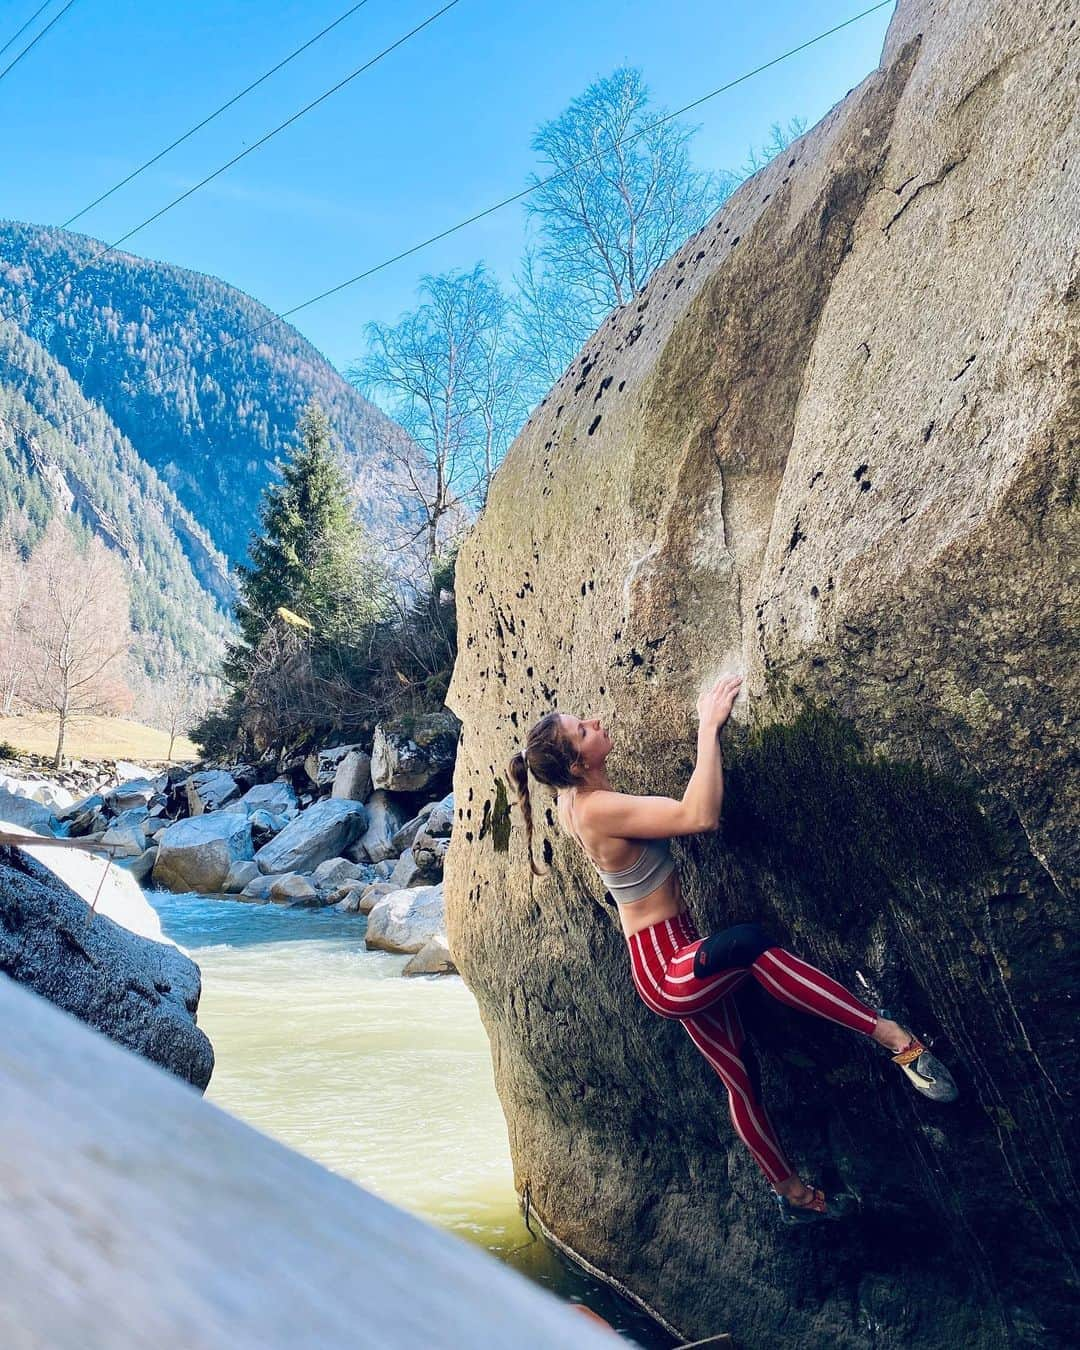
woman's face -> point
(588, 737)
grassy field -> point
(94, 738)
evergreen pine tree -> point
(312, 557)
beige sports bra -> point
(649, 870)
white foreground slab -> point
(134, 1213)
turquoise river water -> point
(387, 1081)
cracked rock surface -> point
(832, 444)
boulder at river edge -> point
(197, 854)
(832, 445)
(323, 831)
(141, 993)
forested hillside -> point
(71, 456)
(172, 358)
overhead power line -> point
(216, 113)
(34, 41)
(15, 36)
(252, 148)
(517, 196)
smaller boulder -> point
(321, 766)
(407, 871)
(334, 871)
(143, 865)
(210, 790)
(352, 779)
(405, 920)
(433, 958)
(238, 876)
(292, 888)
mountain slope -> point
(170, 356)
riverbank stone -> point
(322, 831)
(196, 854)
(352, 778)
(141, 993)
(210, 790)
(415, 752)
(405, 920)
(433, 958)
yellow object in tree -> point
(293, 619)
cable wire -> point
(216, 113)
(517, 196)
(34, 41)
(252, 148)
(25, 26)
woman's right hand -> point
(714, 705)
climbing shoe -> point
(926, 1073)
(821, 1207)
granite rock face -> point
(141, 993)
(832, 445)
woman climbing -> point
(677, 973)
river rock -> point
(20, 810)
(406, 919)
(320, 832)
(239, 875)
(277, 799)
(142, 867)
(384, 820)
(352, 778)
(133, 793)
(82, 816)
(141, 993)
(334, 872)
(831, 445)
(258, 888)
(292, 887)
(196, 854)
(322, 765)
(415, 752)
(126, 833)
(433, 958)
(360, 897)
(407, 870)
(210, 790)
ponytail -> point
(518, 771)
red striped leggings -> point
(662, 963)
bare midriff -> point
(615, 854)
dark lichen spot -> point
(860, 471)
(594, 423)
(500, 818)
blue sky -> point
(436, 131)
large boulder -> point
(276, 799)
(141, 993)
(406, 920)
(831, 445)
(414, 753)
(323, 831)
(197, 854)
(384, 820)
(19, 809)
(210, 790)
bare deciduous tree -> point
(79, 629)
(446, 371)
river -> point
(387, 1081)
